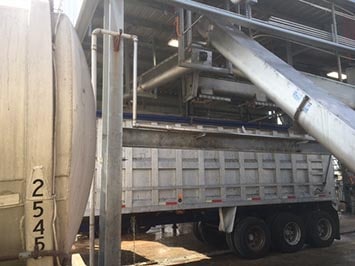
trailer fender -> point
(226, 219)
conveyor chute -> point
(327, 119)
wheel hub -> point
(324, 229)
(292, 233)
(256, 238)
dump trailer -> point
(255, 200)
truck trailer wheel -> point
(230, 243)
(196, 231)
(320, 229)
(140, 229)
(251, 238)
(210, 235)
(288, 232)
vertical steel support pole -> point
(181, 36)
(248, 14)
(93, 185)
(114, 142)
(135, 58)
(154, 53)
(350, 72)
(105, 87)
(110, 242)
(228, 63)
(227, 5)
(248, 11)
(188, 26)
(239, 12)
(289, 53)
(335, 39)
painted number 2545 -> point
(38, 213)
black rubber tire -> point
(140, 229)
(269, 221)
(317, 223)
(212, 236)
(230, 243)
(196, 231)
(143, 228)
(288, 233)
(245, 232)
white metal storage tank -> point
(47, 131)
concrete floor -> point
(169, 247)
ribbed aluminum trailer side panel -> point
(170, 179)
(160, 179)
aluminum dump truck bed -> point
(157, 179)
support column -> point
(335, 39)
(111, 194)
(350, 73)
(289, 53)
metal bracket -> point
(300, 107)
(117, 41)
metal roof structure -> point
(154, 22)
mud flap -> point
(226, 219)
